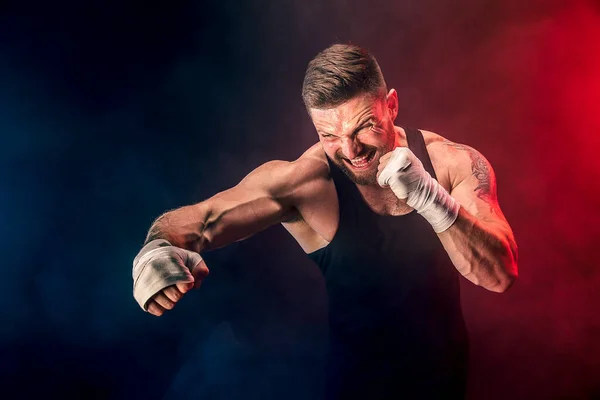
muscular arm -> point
(270, 194)
(481, 243)
(263, 198)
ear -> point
(392, 103)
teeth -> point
(360, 160)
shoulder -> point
(314, 175)
(453, 162)
(310, 167)
(313, 162)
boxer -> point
(391, 215)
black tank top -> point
(396, 326)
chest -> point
(320, 214)
(384, 202)
(319, 218)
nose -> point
(350, 147)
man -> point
(391, 215)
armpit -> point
(294, 216)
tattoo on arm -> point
(481, 171)
(486, 187)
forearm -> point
(216, 222)
(484, 253)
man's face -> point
(357, 133)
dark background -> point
(112, 112)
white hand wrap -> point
(158, 265)
(405, 175)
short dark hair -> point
(339, 73)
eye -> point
(369, 127)
(374, 127)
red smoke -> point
(541, 339)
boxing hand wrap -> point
(159, 265)
(405, 175)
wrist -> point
(156, 231)
(435, 204)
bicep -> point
(474, 186)
(251, 206)
(261, 195)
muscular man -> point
(391, 216)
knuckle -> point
(174, 294)
(162, 300)
(166, 303)
(154, 309)
(200, 271)
(182, 288)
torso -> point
(318, 209)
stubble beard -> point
(368, 177)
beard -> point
(363, 178)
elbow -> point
(504, 283)
(507, 273)
(506, 267)
(495, 271)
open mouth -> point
(362, 162)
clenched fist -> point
(163, 273)
(404, 173)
